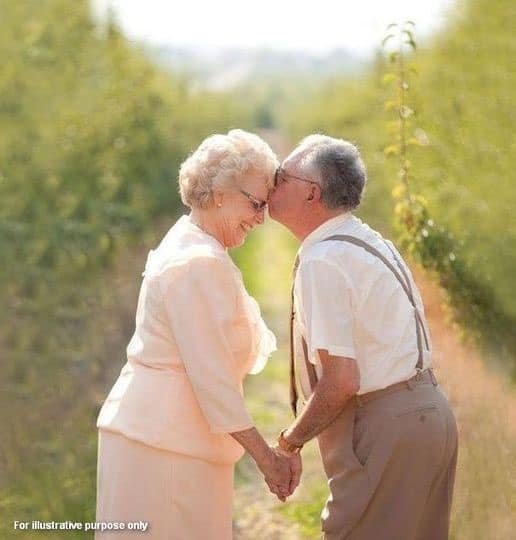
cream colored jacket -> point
(198, 333)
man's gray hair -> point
(341, 169)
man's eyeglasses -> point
(258, 204)
(280, 176)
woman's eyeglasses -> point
(258, 204)
(280, 176)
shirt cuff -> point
(335, 350)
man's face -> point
(287, 200)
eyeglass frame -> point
(282, 170)
(259, 205)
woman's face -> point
(243, 207)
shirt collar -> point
(325, 229)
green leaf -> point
(391, 150)
(409, 34)
(390, 105)
(392, 126)
(388, 78)
(386, 39)
(412, 141)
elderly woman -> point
(175, 423)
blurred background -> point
(101, 101)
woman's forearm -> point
(254, 444)
(275, 468)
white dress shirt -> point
(348, 302)
(198, 333)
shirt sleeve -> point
(201, 302)
(327, 308)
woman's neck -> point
(205, 220)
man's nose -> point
(259, 217)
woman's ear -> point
(218, 198)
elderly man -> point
(361, 350)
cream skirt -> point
(181, 498)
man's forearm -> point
(324, 405)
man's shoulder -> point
(335, 243)
(349, 257)
(363, 231)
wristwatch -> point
(285, 445)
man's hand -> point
(296, 468)
(276, 469)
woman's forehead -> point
(255, 183)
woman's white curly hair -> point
(222, 161)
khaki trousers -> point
(391, 467)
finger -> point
(284, 488)
(281, 497)
(277, 487)
(272, 487)
(296, 471)
(279, 491)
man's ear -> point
(315, 193)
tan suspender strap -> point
(310, 368)
(420, 328)
(312, 374)
(407, 281)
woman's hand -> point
(281, 469)
(276, 469)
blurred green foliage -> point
(91, 136)
(436, 248)
(463, 98)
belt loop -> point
(359, 401)
(411, 382)
(433, 377)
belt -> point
(421, 376)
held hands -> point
(296, 468)
(282, 472)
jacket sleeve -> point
(201, 301)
